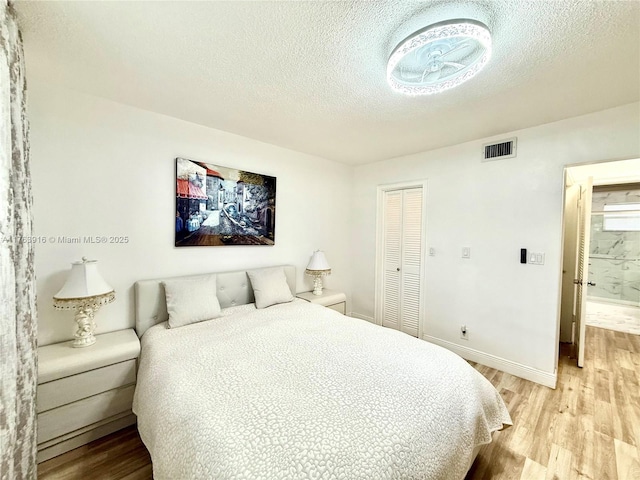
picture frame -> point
(218, 206)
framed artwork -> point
(218, 205)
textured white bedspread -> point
(298, 391)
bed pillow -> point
(270, 286)
(191, 300)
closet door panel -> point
(410, 318)
(411, 260)
(412, 229)
(391, 280)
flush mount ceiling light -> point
(439, 57)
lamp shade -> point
(318, 263)
(84, 281)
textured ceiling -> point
(310, 76)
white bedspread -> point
(298, 391)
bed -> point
(299, 391)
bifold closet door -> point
(402, 259)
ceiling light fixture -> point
(439, 57)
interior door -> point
(569, 259)
(402, 259)
(582, 265)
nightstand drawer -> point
(70, 389)
(73, 416)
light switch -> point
(466, 252)
(432, 252)
(536, 258)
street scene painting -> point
(218, 205)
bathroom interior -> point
(614, 258)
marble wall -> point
(614, 257)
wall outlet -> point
(464, 333)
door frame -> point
(381, 190)
(597, 180)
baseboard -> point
(502, 364)
(362, 317)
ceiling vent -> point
(499, 151)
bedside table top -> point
(62, 360)
(328, 297)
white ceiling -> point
(310, 76)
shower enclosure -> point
(614, 250)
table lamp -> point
(85, 291)
(318, 267)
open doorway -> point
(614, 302)
(601, 252)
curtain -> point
(18, 334)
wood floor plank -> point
(627, 461)
(559, 463)
(584, 459)
(532, 470)
(602, 389)
(144, 473)
(631, 377)
(497, 462)
(586, 429)
(624, 359)
(634, 341)
(635, 359)
(547, 412)
(520, 441)
(586, 399)
(565, 426)
(626, 414)
(603, 418)
(605, 467)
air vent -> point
(499, 151)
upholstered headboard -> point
(233, 288)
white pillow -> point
(270, 286)
(191, 300)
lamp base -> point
(84, 342)
(317, 285)
(84, 336)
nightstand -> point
(330, 298)
(85, 393)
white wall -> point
(495, 208)
(102, 168)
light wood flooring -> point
(587, 428)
